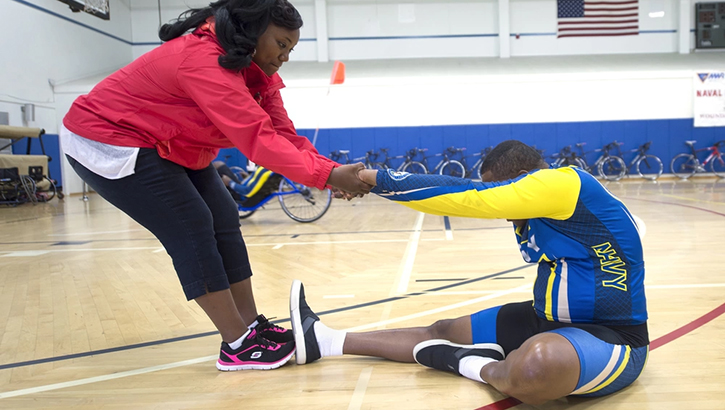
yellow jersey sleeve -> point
(546, 193)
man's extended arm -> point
(538, 194)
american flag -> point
(584, 18)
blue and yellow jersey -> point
(591, 268)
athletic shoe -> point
(443, 355)
(270, 331)
(303, 320)
(256, 353)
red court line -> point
(501, 404)
(663, 340)
(659, 342)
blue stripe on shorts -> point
(605, 368)
(483, 325)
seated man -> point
(585, 333)
(254, 188)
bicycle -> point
(685, 165)
(338, 155)
(566, 157)
(453, 167)
(410, 165)
(369, 159)
(476, 167)
(445, 166)
(648, 166)
(608, 166)
(301, 203)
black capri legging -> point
(189, 211)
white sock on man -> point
(329, 340)
(238, 343)
(471, 366)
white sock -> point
(253, 325)
(329, 340)
(238, 343)
(470, 367)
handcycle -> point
(686, 164)
(299, 202)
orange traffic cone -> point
(338, 73)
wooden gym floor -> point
(92, 315)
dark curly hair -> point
(509, 157)
(239, 23)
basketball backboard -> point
(98, 8)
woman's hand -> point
(344, 195)
(345, 178)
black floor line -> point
(205, 334)
(440, 280)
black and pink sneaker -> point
(255, 353)
(270, 331)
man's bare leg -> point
(398, 344)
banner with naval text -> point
(709, 98)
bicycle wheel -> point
(245, 214)
(612, 168)
(453, 168)
(415, 167)
(378, 165)
(649, 167)
(718, 166)
(478, 171)
(301, 203)
(29, 188)
(684, 165)
(49, 194)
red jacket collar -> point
(255, 79)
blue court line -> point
(413, 37)
(657, 31)
(205, 334)
(447, 223)
(532, 34)
(554, 34)
(158, 43)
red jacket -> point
(178, 100)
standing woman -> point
(144, 139)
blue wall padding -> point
(667, 136)
(52, 149)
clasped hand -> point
(351, 181)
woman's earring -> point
(254, 52)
